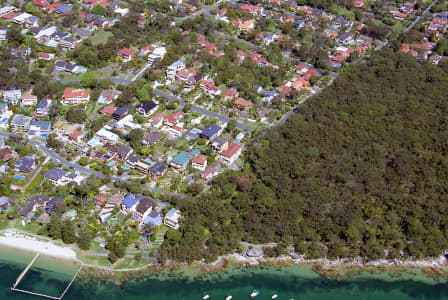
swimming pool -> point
(148, 160)
(6, 208)
(3, 120)
(110, 164)
(18, 177)
(32, 216)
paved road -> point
(202, 111)
(51, 154)
(422, 16)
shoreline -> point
(342, 269)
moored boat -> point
(206, 297)
(229, 298)
(275, 296)
(254, 294)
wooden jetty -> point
(28, 267)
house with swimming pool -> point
(39, 129)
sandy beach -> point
(19, 241)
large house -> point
(12, 96)
(172, 218)
(40, 129)
(20, 123)
(180, 161)
(130, 202)
(231, 154)
(211, 132)
(126, 54)
(147, 108)
(56, 176)
(28, 99)
(74, 96)
(143, 208)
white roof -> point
(104, 133)
(22, 17)
(46, 32)
(128, 118)
(159, 51)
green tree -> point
(55, 227)
(84, 238)
(98, 10)
(88, 79)
(83, 161)
(68, 232)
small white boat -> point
(206, 297)
(254, 294)
(275, 296)
(229, 298)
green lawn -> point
(94, 260)
(100, 37)
(129, 263)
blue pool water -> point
(148, 160)
(32, 216)
(110, 164)
(18, 177)
(3, 120)
(6, 208)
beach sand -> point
(36, 245)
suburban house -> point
(106, 136)
(175, 131)
(211, 132)
(153, 218)
(174, 68)
(120, 112)
(126, 54)
(157, 120)
(52, 204)
(172, 218)
(181, 160)
(109, 110)
(143, 165)
(6, 154)
(74, 96)
(144, 207)
(130, 202)
(243, 103)
(12, 96)
(219, 143)
(121, 152)
(211, 172)
(107, 96)
(39, 129)
(173, 119)
(132, 159)
(151, 138)
(20, 122)
(69, 67)
(56, 176)
(157, 170)
(231, 154)
(25, 164)
(229, 94)
(45, 56)
(346, 38)
(147, 108)
(199, 162)
(28, 99)
(43, 108)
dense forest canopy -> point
(359, 170)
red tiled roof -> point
(76, 134)
(231, 151)
(174, 117)
(108, 110)
(243, 102)
(200, 159)
(9, 16)
(126, 52)
(75, 93)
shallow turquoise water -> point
(289, 283)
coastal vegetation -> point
(358, 170)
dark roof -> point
(122, 150)
(159, 167)
(210, 131)
(120, 111)
(146, 106)
(40, 199)
(151, 138)
(134, 157)
(145, 204)
(24, 164)
(51, 205)
(26, 210)
(55, 174)
(219, 141)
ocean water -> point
(297, 282)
